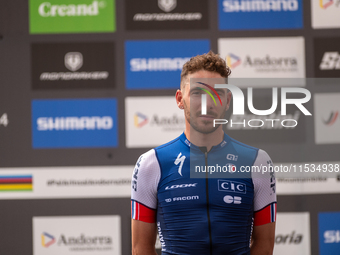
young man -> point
(224, 215)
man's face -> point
(192, 98)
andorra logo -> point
(73, 61)
(140, 119)
(47, 240)
(233, 60)
(324, 4)
(167, 5)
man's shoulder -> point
(169, 145)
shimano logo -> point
(157, 64)
(232, 200)
(260, 5)
(272, 121)
(330, 61)
(74, 123)
(232, 186)
(47, 9)
(332, 236)
(192, 185)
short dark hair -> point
(210, 62)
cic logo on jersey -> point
(238, 104)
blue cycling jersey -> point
(203, 215)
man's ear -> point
(179, 99)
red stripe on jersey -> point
(266, 215)
(142, 213)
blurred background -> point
(88, 85)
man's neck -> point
(204, 140)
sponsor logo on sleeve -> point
(70, 16)
(248, 14)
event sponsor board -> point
(69, 235)
(65, 182)
(325, 14)
(329, 233)
(74, 123)
(148, 125)
(166, 14)
(73, 65)
(326, 118)
(292, 233)
(260, 14)
(158, 64)
(273, 57)
(70, 16)
(327, 57)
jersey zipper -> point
(207, 194)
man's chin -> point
(205, 129)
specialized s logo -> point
(180, 160)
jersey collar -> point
(225, 142)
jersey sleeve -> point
(264, 190)
(145, 179)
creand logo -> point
(324, 4)
(74, 123)
(47, 9)
(260, 5)
(238, 101)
